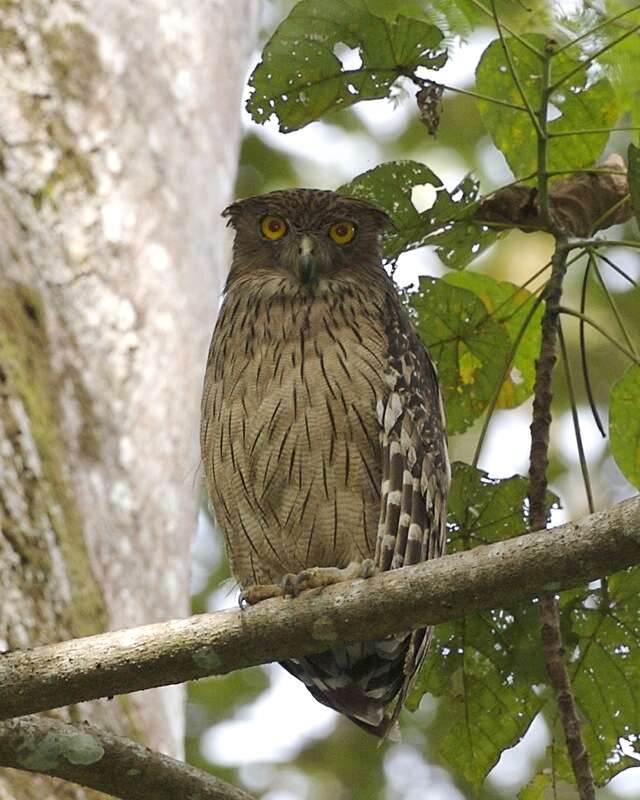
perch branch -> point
(97, 759)
(436, 591)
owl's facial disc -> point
(306, 264)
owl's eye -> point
(342, 232)
(273, 227)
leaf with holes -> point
(462, 238)
(423, 211)
(624, 423)
(305, 71)
(483, 668)
(467, 345)
(509, 306)
(582, 102)
(633, 159)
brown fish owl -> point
(322, 431)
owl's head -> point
(305, 235)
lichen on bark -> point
(35, 449)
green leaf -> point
(509, 305)
(483, 510)
(624, 423)
(581, 103)
(602, 637)
(601, 632)
(633, 159)
(480, 668)
(300, 77)
(549, 786)
(622, 61)
(483, 668)
(446, 224)
(453, 16)
(468, 347)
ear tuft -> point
(231, 211)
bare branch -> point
(97, 759)
(214, 644)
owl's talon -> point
(368, 568)
(251, 595)
(317, 577)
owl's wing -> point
(369, 681)
(415, 469)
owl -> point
(323, 433)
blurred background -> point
(259, 727)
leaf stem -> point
(597, 27)
(585, 244)
(584, 467)
(573, 313)
(616, 268)
(554, 134)
(616, 312)
(611, 210)
(543, 141)
(585, 64)
(583, 348)
(505, 371)
(514, 73)
(423, 82)
(531, 47)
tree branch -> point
(561, 226)
(97, 759)
(213, 644)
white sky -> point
(272, 730)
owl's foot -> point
(316, 577)
(254, 594)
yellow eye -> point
(342, 232)
(273, 227)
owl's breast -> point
(295, 448)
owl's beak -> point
(306, 266)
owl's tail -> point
(367, 682)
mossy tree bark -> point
(119, 130)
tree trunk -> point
(119, 132)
